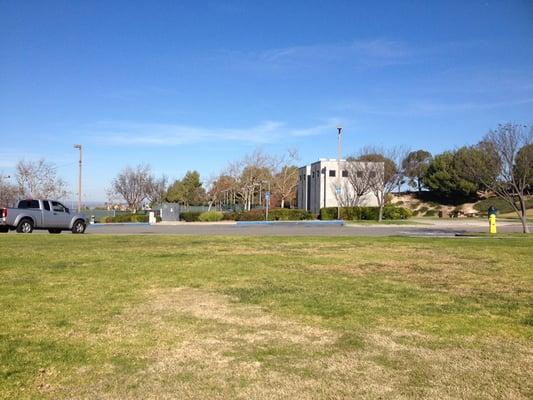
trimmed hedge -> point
(190, 216)
(275, 214)
(230, 216)
(289, 214)
(365, 213)
(210, 216)
(121, 218)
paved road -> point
(437, 228)
(301, 230)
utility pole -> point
(338, 188)
(79, 146)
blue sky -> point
(193, 85)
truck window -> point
(24, 204)
(58, 207)
(46, 205)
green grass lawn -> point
(513, 215)
(291, 318)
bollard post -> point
(492, 223)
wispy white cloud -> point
(427, 108)
(153, 134)
(319, 129)
(358, 53)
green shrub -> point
(275, 214)
(391, 212)
(328, 213)
(369, 213)
(365, 213)
(423, 209)
(211, 216)
(190, 216)
(252, 215)
(289, 214)
(430, 213)
(230, 216)
(122, 218)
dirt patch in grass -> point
(192, 343)
(481, 369)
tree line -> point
(500, 164)
(34, 179)
(242, 183)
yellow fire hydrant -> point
(492, 223)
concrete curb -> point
(292, 223)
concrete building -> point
(321, 183)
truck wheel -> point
(25, 226)
(54, 230)
(78, 227)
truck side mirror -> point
(67, 210)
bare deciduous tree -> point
(131, 184)
(38, 179)
(156, 189)
(357, 185)
(504, 165)
(285, 177)
(219, 188)
(9, 192)
(385, 175)
(250, 174)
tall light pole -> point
(79, 147)
(339, 142)
(338, 187)
(267, 199)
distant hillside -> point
(429, 208)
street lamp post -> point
(267, 200)
(79, 147)
(339, 172)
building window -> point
(372, 174)
(332, 172)
(359, 174)
(313, 174)
(344, 173)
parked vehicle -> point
(41, 214)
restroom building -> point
(322, 182)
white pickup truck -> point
(41, 214)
